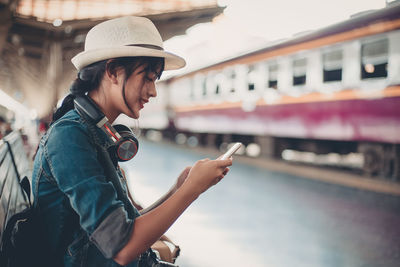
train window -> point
(217, 90)
(374, 59)
(232, 81)
(250, 78)
(299, 71)
(273, 76)
(192, 88)
(332, 65)
(204, 87)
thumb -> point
(224, 162)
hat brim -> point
(85, 58)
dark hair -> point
(90, 77)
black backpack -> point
(20, 239)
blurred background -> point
(311, 88)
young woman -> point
(87, 222)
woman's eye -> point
(151, 78)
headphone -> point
(125, 143)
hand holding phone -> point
(232, 150)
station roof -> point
(72, 10)
(37, 21)
(36, 34)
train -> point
(331, 90)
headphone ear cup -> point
(127, 147)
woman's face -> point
(139, 88)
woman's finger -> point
(225, 171)
(224, 162)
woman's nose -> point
(152, 90)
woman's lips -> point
(142, 102)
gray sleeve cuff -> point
(113, 233)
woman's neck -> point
(100, 98)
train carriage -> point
(336, 89)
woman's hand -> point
(206, 173)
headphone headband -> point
(88, 107)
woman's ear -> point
(113, 73)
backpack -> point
(20, 239)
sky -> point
(249, 24)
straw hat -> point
(125, 37)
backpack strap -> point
(24, 182)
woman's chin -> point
(136, 115)
(133, 115)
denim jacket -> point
(85, 221)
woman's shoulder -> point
(73, 128)
(70, 116)
(71, 119)
(68, 127)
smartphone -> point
(232, 150)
